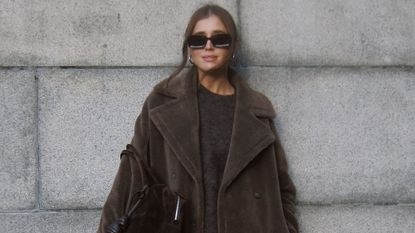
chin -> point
(210, 68)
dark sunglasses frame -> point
(200, 41)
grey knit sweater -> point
(216, 120)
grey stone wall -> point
(74, 75)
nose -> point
(209, 45)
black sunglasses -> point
(218, 41)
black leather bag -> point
(153, 209)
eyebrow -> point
(214, 32)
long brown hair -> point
(202, 13)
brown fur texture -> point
(256, 193)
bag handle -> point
(122, 223)
(130, 149)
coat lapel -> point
(250, 135)
(178, 122)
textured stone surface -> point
(85, 33)
(348, 132)
(313, 219)
(50, 222)
(327, 32)
(357, 219)
(86, 119)
(17, 139)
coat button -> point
(257, 195)
(173, 175)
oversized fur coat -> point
(256, 194)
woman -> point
(210, 138)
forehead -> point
(209, 25)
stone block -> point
(87, 118)
(347, 132)
(95, 33)
(50, 222)
(327, 32)
(312, 219)
(18, 145)
(357, 219)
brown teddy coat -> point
(256, 194)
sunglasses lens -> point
(221, 40)
(196, 42)
(218, 41)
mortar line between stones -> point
(239, 66)
(358, 204)
(347, 205)
(48, 211)
(238, 59)
(238, 15)
(38, 182)
(87, 67)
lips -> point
(209, 58)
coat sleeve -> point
(131, 176)
(287, 188)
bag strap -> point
(130, 149)
(122, 223)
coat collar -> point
(178, 122)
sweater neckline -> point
(206, 90)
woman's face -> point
(210, 58)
